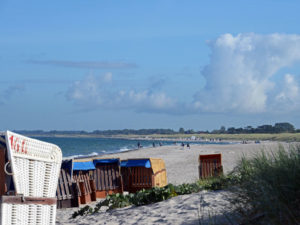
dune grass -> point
(268, 190)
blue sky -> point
(86, 65)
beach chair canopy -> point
(136, 163)
(88, 165)
(105, 161)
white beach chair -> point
(35, 167)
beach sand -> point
(182, 167)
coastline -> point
(288, 137)
(182, 167)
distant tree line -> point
(277, 128)
(134, 132)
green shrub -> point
(83, 211)
(155, 194)
(217, 183)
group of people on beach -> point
(160, 144)
(187, 145)
(153, 144)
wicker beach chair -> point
(28, 190)
(67, 194)
(210, 165)
(83, 170)
(138, 174)
(107, 177)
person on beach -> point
(139, 145)
(188, 145)
(153, 144)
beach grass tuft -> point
(268, 190)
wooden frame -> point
(67, 193)
(85, 186)
(108, 179)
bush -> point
(153, 195)
(269, 187)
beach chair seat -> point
(138, 174)
(107, 177)
(210, 165)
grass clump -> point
(268, 190)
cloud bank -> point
(97, 92)
(239, 75)
(244, 76)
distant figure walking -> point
(139, 144)
(182, 144)
(160, 144)
(153, 144)
(188, 145)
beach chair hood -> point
(106, 161)
(88, 165)
(136, 163)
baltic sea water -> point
(80, 146)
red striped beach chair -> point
(210, 165)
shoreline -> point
(288, 137)
(192, 143)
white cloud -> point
(97, 92)
(90, 91)
(238, 77)
(289, 96)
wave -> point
(81, 156)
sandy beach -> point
(182, 167)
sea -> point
(81, 146)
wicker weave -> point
(35, 165)
(19, 214)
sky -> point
(97, 65)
